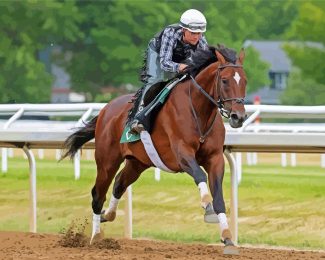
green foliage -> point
(116, 36)
(303, 91)
(256, 70)
(105, 98)
(309, 59)
(275, 18)
(103, 41)
(26, 27)
(306, 87)
(307, 27)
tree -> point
(308, 57)
(232, 22)
(116, 35)
(105, 40)
(256, 70)
(303, 91)
(275, 17)
(27, 27)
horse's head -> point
(231, 89)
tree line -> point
(103, 42)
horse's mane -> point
(204, 57)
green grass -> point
(277, 206)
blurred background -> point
(91, 51)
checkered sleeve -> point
(168, 41)
(203, 43)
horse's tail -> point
(75, 141)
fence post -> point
(322, 158)
(234, 196)
(128, 213)
(32, 189)
(157, 174)
(283, 159)
(4, 160)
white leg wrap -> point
(203, 187)
(113, 203)
(96, 225)
(223, 221)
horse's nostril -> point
(234, 116)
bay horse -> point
(188, 133)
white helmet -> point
(193, 20)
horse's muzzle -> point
(236, 119)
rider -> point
(167, 51)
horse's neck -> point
(207, 80)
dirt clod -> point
(107, 243)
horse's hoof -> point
(231, 250)
(95, 238)
(210, 216)
(213, 218)
(110, 216)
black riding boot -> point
(136, 126)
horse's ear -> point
(241, 56)
(220, 57)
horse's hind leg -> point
(129, 174)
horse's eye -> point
(224, 81)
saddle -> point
(153, 102)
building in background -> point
(280, 67)
(61, 87)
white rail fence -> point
(292, 138)
(80, 113)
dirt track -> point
(18, 245)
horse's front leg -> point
(215, 169)
(190, 165)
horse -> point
(188, 133)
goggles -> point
(194, 26)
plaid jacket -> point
(168, 43)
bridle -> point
(221, 102)
(218, 103)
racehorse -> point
(188, 133)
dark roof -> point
(272, 53)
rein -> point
(219, 103)
(202, 136)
